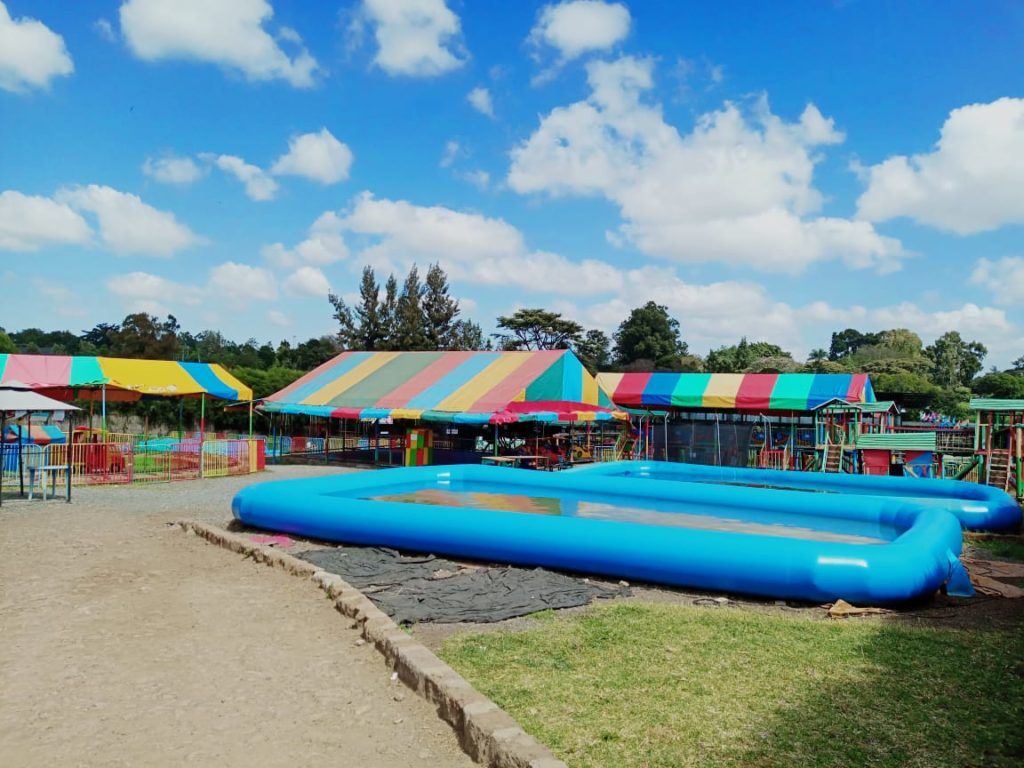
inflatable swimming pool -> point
(777, 543)
(978, 507)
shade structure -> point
(460, 387)
(15, 397)
(66, 377)
(757, 392)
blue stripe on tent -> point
(304, 410)
(451, 381)
(572, 379)
(327, 376)
(209, 381)
(869, 391)
(375, 413)
(828, 386)
(472, 418)
(659, 389)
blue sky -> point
(771, 170)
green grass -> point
(1012, 548)
(653, 685)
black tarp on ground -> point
(424, 588)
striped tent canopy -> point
(736, 391)
(66, 377)
(460, 387)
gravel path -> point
(125, 642)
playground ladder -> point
(624, 447)
(833, 458)
(999, 469)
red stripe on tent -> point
(346, 413)
(756, 391)
(282, 395)
(500, 396)
(630, 391)
(38, 371)
(855, 394)
(428, 377)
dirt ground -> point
(125, 642)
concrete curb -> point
(487, 733)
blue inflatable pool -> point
(776, 543)
(978, 507)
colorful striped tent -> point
(460, 387)
(759, 392)
(66, 377)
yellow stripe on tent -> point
(589, 389)
(609, 382)
(482, 383)
(366, 368)
(149, 377)
(406, 413)
(722, 390)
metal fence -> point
(123, 463)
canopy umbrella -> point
(16, 397)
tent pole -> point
(3, 458)
(103, 417)
(495, 439)
(71, 429)
(250, 419)
(21, 457)
(665, 457)
(202, 417)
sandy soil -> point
(125, 642)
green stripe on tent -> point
(547, 386)
(3, 364)
(689, 390)
(389, 377)
(791, 392)
(86, 372)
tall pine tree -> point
(389, 314)
(440, 310)
(360, 328)
(409, 330)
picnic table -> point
(45, 471)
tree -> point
(361, 327)
(594, 351)
(101, 336)
(389, 313)
(144, 336)
(649, 333)
(410, 333)
(1006, 386)
(956, 361)
(537, 329)
(750, 357)
(469, 337)
(6, 345)
(440, 310)
(847, 342)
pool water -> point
(646, 511)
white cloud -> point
(720, 313)
(577, 27)
(315, 156)
(469, 246)
(278, 318)
(127, 225)
(258, 185)
(480, 99)
(324, 245)
(971, 181)
(145, 292)
(173, 170)
(735, 190)
(413, 36)
(29, 222)
(307, 281)
(31, 54)
(478, 178)
(230, 33)
(451, 152)
(240, 284)
(1004, 278)
(105, 30)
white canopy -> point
(15, 396)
